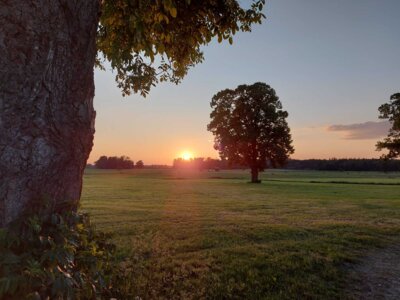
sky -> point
(331, 62)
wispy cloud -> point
(362, 131)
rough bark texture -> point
(47, 53)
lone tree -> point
(250, 127)
(48, 50)
(140, 164)
(391, 111)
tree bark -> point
(47, 54)
(254, 175)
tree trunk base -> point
(254, 175)
(255, 181)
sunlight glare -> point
(186, 155)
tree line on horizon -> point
(344, 164)
(115, 162)
(201, 163)
(332, 164)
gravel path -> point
(377, 276)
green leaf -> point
(173, 12)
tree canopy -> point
(250, 127)
(139, 164)
(391, 111)
(148, 41)
(114, 162)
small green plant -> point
(57, 256)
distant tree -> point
(139, 164)
(250, 127)
(102, 162)
(198, 163)
(177, 163)
(391, 111)
(212, 164)
(114, 162)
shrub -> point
(57, 256)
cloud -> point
(362, 131)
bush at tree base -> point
(58, 256)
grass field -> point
(211, 234)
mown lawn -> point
(213, 235)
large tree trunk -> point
(47, 53)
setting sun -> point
(186, 155)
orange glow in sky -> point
(187, 155)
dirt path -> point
(377, 276)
